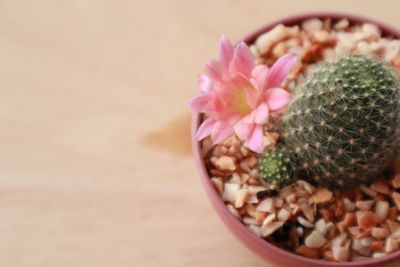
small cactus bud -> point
(274, 168)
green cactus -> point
(274, 168)
(342, 127)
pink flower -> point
(238, 97)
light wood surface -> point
(95, 163)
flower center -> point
(239, 102)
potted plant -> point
(296, 137)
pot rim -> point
(247, 237)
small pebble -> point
(241, 197)
(341, 248)
(252, 200)
(391, 245)
(378, 255)
(267, 193)
(284, 214)
(307, 252)
(380, 187)
(259, 216)
(279, 50)
(308, 211)
(366, 241)
(367, 219)
(341, 24)
(368, 191)
(348, 205)
(249, 220)
(364, 205)
(322, 195)
(396, 181)
(315, 240)
(235, 179)
(377, 245)
(300, 231)
(278, 202)
(328, 255)
(396, 199)
(267, 205)
(382, 210)
(358, 247)
(291, 199)
(394, 228)
(321, 36)
(380, 233)
(354, 230)
(268, 229)
(230, 192)
(270, 218)
(286, 191)
(255, 229)
(265, 41)
(312, 25)
(321, 226)
(225, 163)
(304, 222)
(349, 219)
(371, 29)
(308, 187)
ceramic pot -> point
(264, 249)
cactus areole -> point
(342, 127)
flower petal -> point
(280, 70)
(258, 69)
(220, 132)
(276, 99)
(242, 130)
(262, 114)
(204, 83)
(213, 69)
(225, 51)
(205, 129)
(252, 96)
(260, 74)
(199, 102)
(249, 119)
(256, 139)
(242, 61)
(278, 111)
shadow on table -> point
(174, 137)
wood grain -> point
(95, 165)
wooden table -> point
(95, 163)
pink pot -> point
(262, 248)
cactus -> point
(342, 127)
(274, 168)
